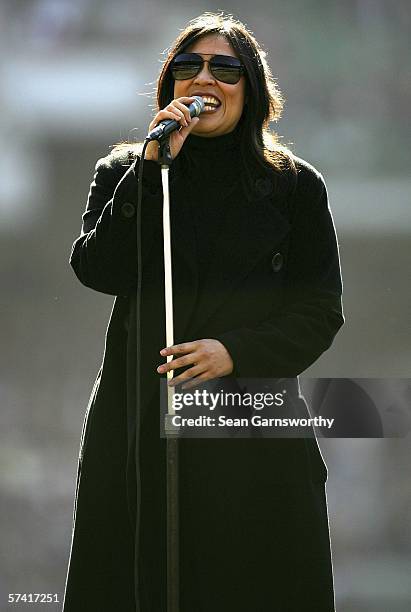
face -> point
(220, 119)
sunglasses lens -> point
(226, 74)
(185, 66)
(226, 69)
(184, 71)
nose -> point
(204, 76)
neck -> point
(224, 142)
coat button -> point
(263, 186)
(277, 262)
(128, 210)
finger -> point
(177, 363)
(179, 349)
(185, 376)
(179, 112)
(165, 114)
(194, 382)
(184, 109)
(185, 99)
(184, 132)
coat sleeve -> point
(104, 255)
(290, 340)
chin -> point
(209, 130)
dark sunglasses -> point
(224, 68)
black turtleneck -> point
(212, 169)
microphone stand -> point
(173, 577)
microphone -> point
(165, 127)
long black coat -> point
(254, 530)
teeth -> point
(211, 100)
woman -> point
(257, 294)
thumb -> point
(184, 132)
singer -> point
(257, 295)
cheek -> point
(180, 89)
(237, 106)
(237, 101)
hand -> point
(209, 359)
(178, 110)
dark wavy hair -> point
(260, 146)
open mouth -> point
(211, 104)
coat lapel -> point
(255, 229)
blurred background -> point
(77, 76)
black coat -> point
(254, 530)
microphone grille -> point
(198, 105)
